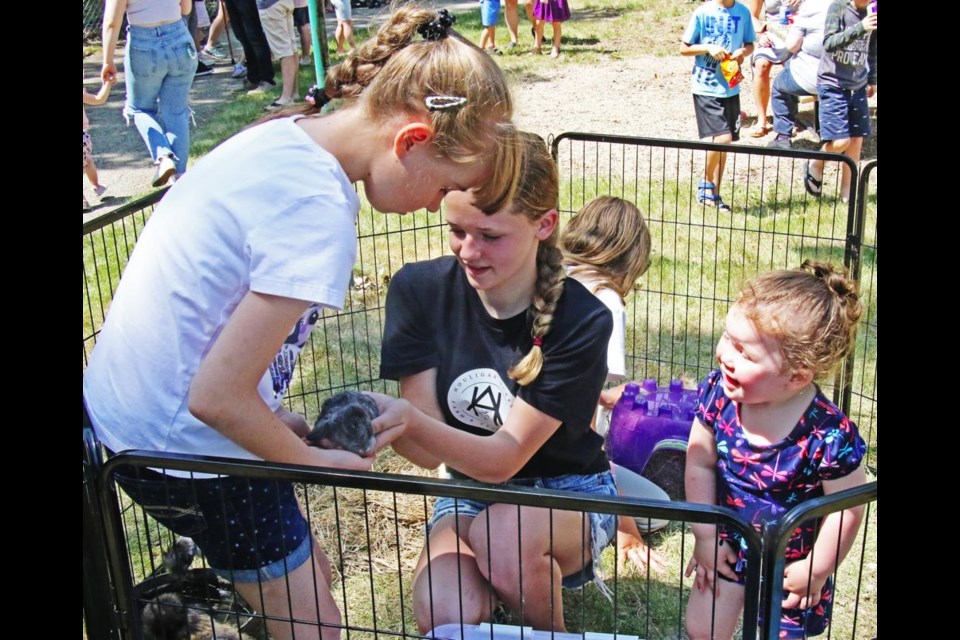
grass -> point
(611, 30)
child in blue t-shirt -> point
(720, 30)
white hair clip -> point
(439, 103)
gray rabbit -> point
(345, 423)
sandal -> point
(714, 198)
(813, 186)
(760, 132)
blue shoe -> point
(714, 198)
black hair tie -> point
(317, 97)
(437, 28)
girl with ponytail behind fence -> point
(500, 360)
(231, 274)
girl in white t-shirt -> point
(233, 271)
(606, 246)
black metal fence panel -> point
(852, 592)
(701, 256)
(371, 528)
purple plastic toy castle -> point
(649, 430)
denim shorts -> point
(489, 12)
(248, 530)
(843, 113)
(343, 9)
(603, 526)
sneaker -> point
(244, 87)
(202, 69)
(214, 53)
(165, 169)
(780, 143)
(99, 190)
(239, 71)
(260, 89)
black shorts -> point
(717, 116)
(301, 16)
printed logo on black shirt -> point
(480, 398)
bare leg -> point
(486, 38)
(305, 40)
(512, 17)
(338, 36)
(303, 594)
(539, 564)
(833, 146)
(528, 6)
(761, 94)
(538, 37)
(288, 71)
(92, 176)
(701, 616)
(348, 35)
(555, 52)
(716, 163)
(853, 152)
(448, 586)
(217, 27)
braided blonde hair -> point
(608, 240)
(537, 192)
(812, 311)
(394, 72)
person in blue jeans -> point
(799, 76)
(159, 63)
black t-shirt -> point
(435, 319)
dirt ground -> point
(642, 96)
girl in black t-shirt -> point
(500, 360)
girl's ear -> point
(547, 223)
(411, 134)
(800, 378)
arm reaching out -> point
(505, 452)
(223, 393)
(100, 98)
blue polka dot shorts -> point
(248, 530)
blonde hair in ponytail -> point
(394, 72)
(812, 311)
(537, 192)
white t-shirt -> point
(808, 24)
(269, 211)
(617, 347)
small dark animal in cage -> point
(178, 558)
(168, 618)
(345, 423)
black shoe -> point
(202, 69)
(780, 143)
